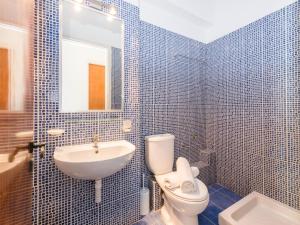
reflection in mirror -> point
(12, 74)
(91, 59)
(16, 110)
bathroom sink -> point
(10, 170)
(83, 161)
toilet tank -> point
(160, 153)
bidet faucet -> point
(96, 140)
(12, 155)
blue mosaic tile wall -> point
(172, 69)
(116, 78)
(253, 107)
(57, 198)
(238, 96)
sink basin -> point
(10, 170)
(82, 161)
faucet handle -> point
(96, 138)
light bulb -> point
(113, 10)
(109, 18)
(77, 7)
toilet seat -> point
(201, 194)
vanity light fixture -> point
(100, 5)
(77, 5)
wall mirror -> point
(91, 59)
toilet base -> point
(172, 217)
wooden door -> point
(96, 87)
(4, 79)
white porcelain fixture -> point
(256, 208)
(25, 134)
(179, 208)
(56, 132)
(9, 170)
(89, 163)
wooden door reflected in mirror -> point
(96, 87)
(4, 78)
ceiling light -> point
(79, 1)
(109, 18)
(77, 7)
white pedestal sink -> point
(83, 161)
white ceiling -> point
(206, 20)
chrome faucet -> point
(96, 140)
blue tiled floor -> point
(220, 198)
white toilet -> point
(179, 208)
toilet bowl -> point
(183, 208)
(179, 208)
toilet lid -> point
(200, 194)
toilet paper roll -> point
(145, 200)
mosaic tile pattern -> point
(238, 96)
(57, 198)
(207, 167)
(116, 80)
(220, 199)
(172, 89)
(253, 107)
(156, 200)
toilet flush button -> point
(127, 125)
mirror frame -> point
(122, 60)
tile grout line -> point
(207, 218)
(153, 89)
(286, 107)
(262, 108)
